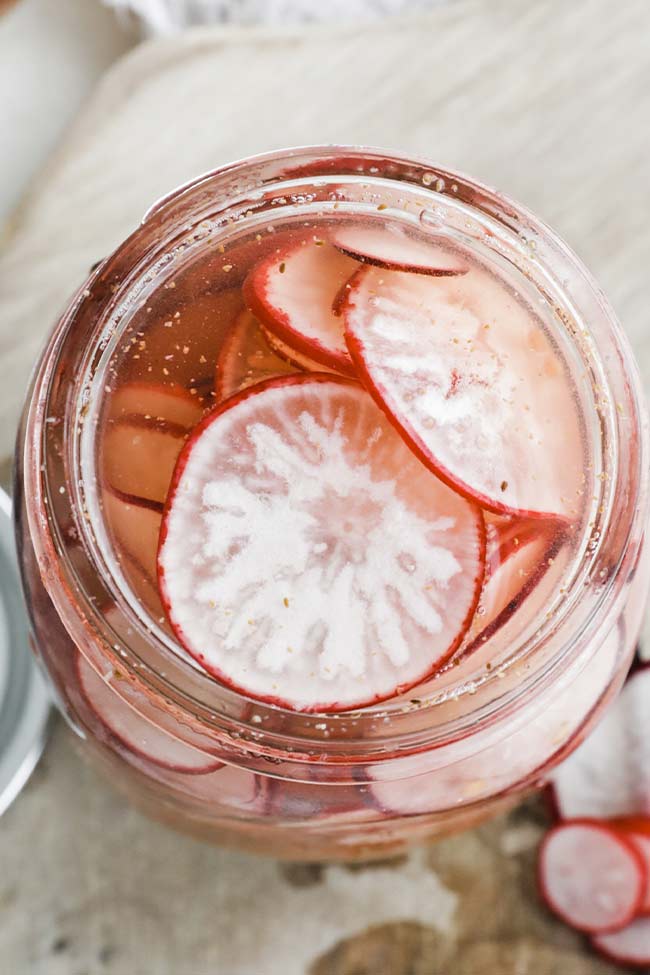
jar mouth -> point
(230, 200)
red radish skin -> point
(608, 775)
(303, 480)
(291, 293)
(633, 824)
(134, 731)
(155, 404)
(630, 946)
(395, 250)
(590, 876)
(473, 385)
(246, 358)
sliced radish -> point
(393, 249)
(519, 553)
(138, 458)
(465, 371)
(246, 358)
(637, 830)
(608, 776)
(133, 729)
(292, 357)
(155, 403)
(292, 293)
(630, 946)
(135, 527)
(307, 558)
(291, 800)
(229, 787)
(590, 876)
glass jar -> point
(351, 785)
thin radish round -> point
(519, 553)
(156, 404)
(466, 372)
(291, 356)
(135, 526)
(134, 731)
(307, 558)
(590, 876)
(637, 830)
(630, 946)
(246, 358)
(138, 458)
(609, 774)
(292, 293)
(393, 249)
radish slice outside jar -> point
(591, 876)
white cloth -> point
(168, 16)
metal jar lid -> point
(24, 701)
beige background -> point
(551, 102)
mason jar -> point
(228, 768)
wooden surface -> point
(551, 102)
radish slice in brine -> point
(135, 731)
(292, 293)
(292, 357)
(396, 250)
(466, 372)
(519, 553)
(156, 404)
(591, 877)
(307, 558)
(138, 458)
(136, 527)
(609, 774)
(629, 946)
(246, 358)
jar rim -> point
(574, 630)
